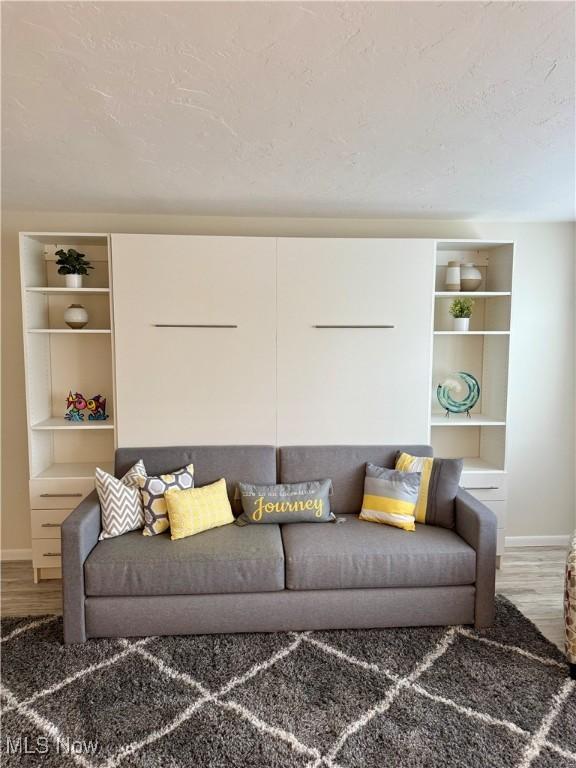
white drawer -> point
(59, 494)
(46, 553)
(499, 509)
(500, 542)
(485, 486)
(46, 522)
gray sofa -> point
(267, 578)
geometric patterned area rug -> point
(424, 697)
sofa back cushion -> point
(345, 465)
(236, 463)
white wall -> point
(541, 410)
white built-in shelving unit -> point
(63, 454)
(482, 351)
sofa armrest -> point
(80, 532)
(477, 525)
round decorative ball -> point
(76, 316)
(470, 277)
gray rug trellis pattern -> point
(424, 697)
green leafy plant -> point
(71, 262)
(461, 307)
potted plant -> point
(73, 265)
(461, 311)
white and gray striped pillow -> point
(120, 501)
(390, 497)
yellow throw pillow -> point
(198, 509)
(405, 462)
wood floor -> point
(532, 578)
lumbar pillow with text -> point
(198, 509)
(439, 483)
(390, 497)
(307, 502)
(153, 490)
(120, 501)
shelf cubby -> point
(51, 447)
(489, 315)
(483, 356)
(494, 260)
(39, 270)
(73, 470)
(45, 310)
(481, 447)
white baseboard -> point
(537, 541)
(16, 554)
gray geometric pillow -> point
(120, 501)
(153, 489)
(307, 502)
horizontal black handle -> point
(50, 525)
(52, 554)
(354, 326)
(481, 487)
(192, 325)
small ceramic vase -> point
(76, 316)
(73, 281)
(470, 277)
(461, 323)
(453, 276)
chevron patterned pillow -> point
(120, 501)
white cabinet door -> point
(354, 384)
(182, 376)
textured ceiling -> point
(291, 109)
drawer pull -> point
(60, 495)
(354, 326)
(52, 554)
(50, 525)
(481, 488)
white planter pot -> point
(460, 323)
(76, 316)
(73, 281)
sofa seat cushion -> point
(222, 560)
(357, 554)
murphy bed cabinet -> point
(354, 319)
(195, 328)
(280, 341)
